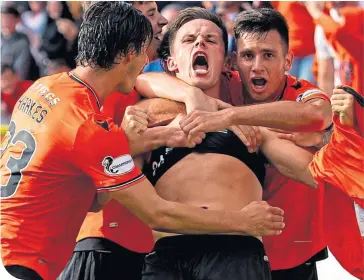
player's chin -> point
(259, 95)
(203, 83)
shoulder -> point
(65, 100)
(99, 128)
(301, 90)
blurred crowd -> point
(40, 38)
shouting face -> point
(197, 54)
(262, 61)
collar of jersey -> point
(77, 79)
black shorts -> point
(213, 257)
(106, 260)
(22, 272)
(305, 271)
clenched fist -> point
(135, 122)
(180, 139)
(342, 104)
(249, 135)
(263, 219)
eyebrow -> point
(152, 10)
(263, 50)
(210, 35)
(269, 50)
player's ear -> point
(288, 60)
(171, 64)
(128, 58)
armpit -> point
(161, 111)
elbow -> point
(302, 175)
(143, 87)
(158, 224)
(316, 118)
(159, 219)
(320, 119)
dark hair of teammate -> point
(111, 30)
(259, 22)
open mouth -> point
(200, 63)
(158, 36)
(259, 82)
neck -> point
(214, 91)
(99, 80)
(152, 54)
(273, 97)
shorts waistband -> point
(208, 243)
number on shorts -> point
(16, 153)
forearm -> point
(180, 218)
(143, 201)
(153, 85)
(150, 140)
(290, 160)
(161, 111)
(287, 115)
(325, 77)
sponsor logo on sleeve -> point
(307, 94)
(299, 98)
(118, 166)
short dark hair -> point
(184, 17)
(111, 30)
(261, 21)
(10, 11)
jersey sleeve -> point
(309, 92)
(340, 162)
(101, 151)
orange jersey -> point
(338, 167)
(116, 103)
(59, 150)
(301, 27)
(347, 40)
(346, 175)
(302, 237)
(114, 221)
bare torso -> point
(210, 181)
